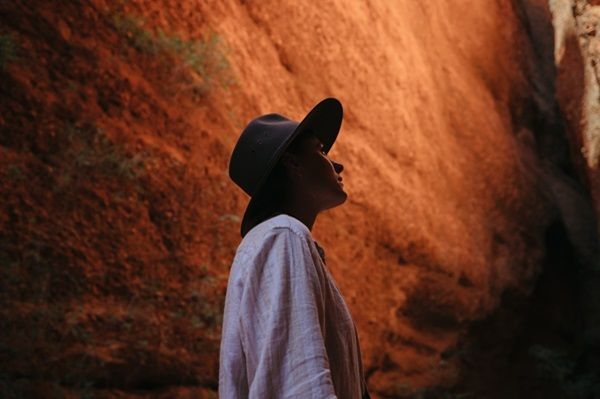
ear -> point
(291, 164)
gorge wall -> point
(467, 250)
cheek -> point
(327, 165)
(325, 170)
(326, 175)
(321, 173)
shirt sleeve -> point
(281, 318)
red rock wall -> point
(119, 221)
(577, 57)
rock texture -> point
(471, 223)
(577, 57)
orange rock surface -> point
(457, 250)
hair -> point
(269, 199)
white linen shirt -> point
(287, 332)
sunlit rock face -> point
(460, 250)
(577, 57)
(577, 60)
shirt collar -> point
(321, 251)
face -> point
(318, 175)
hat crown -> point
(258, 148)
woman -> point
(287, 331)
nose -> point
(337, 166)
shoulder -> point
(279, 246)
(280, 239)
(284, 221)
(266, 231)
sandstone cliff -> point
(467, 250)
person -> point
(287, 332)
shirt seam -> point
(290, 228)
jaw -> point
(336, 199)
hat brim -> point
(325, 120)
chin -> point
(340, 199)
(335, 198)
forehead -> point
(306, 141)
(310, 139)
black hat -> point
(266, 138)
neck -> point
(301, 210)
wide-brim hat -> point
(265, 139)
